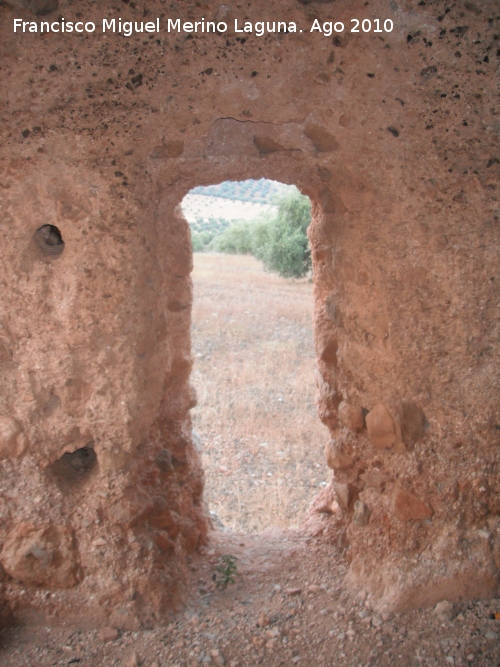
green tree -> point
(260, 236)
(283, 246)
(280, 242)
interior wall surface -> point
(394, 137)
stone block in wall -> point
(42, 555)
(381, 427)
(409, 507)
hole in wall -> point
(49, 239)
(254, 364)
(74, 468)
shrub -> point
(236, 239)
(207, 236)
(227, 572)
(197, 243)
(201, 240)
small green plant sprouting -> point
(228, 571)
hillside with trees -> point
(262, 191)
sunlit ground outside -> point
(254, 374)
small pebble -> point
(263, 620)
(108, 634)
(132, 660)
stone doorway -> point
(254, 367)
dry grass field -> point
(254, 375)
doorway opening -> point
(254, 361)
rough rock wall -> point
(395, 139)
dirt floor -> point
(288, 606)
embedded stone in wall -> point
(169, 149)
(335, 457)
(327, 402)
(374, 479)
(190, 534)
(5, 353)
(413, 424)
(74, 395)
(324, 502)
(332, 309)
(323, 141)
(496, 551)
(129, 510)
(362, 513)
(381, 427)
(351, 416)
(409, 507)
(43, 556)
(163, 541)
(328, 351)
(267, 145)
(12, 439)
(346, 495)
(231, 137)
(164, 518)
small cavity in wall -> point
(49, 240)
(74, 468)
